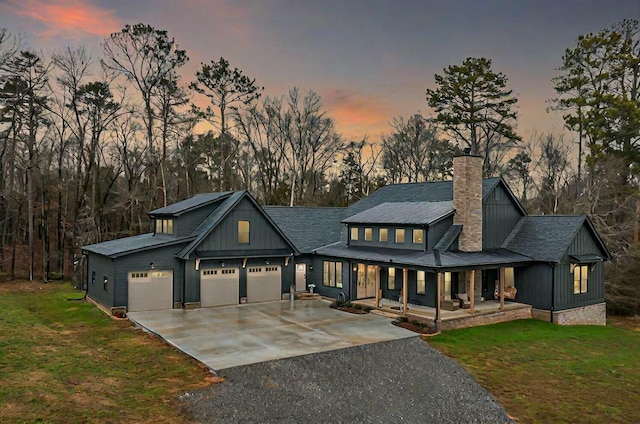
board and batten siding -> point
(163, 259)
(582, 244)
(499, 215)
(186, 223)
(534, 285)
(102, 266)
(262, 235)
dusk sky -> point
(369, 60)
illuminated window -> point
(447, 285)
(164, 226)
(243, 232)
(391, 280)
(420, 283)
(383, 234)
(368, 234)
(508, 277)
(399, 235)
(418, 236)
(332, 274)
(580, 279)
(354, 233)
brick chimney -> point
(467, 201)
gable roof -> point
(412, 213)
(199, 200)
(308, 227)
(435, 191)
(128, 245)
(212, 221)
(547, 237)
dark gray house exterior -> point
(421, 243)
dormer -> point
(401, 225)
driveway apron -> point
(231, 336)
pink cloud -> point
(71, 18)
(357, 114)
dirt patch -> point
(25, 286)
(628, 323)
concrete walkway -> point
(230, 336)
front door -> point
(301, 277)
(367, 275)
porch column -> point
(501, 293)
(405, 289)
(377, 287)
(472, 290)
(438, 295)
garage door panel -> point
(150, 290)
(219, 286)
(264, 283)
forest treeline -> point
(91, 141)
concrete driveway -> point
(230, 336)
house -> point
(420, 245)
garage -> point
(264, 283)
(150, 290)
(219, 286)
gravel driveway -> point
(398, 381)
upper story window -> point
(368, 234)
(354, 233)
(243, 232)
(383, 234)
(399, 235)
(164, 226)
(418, 236)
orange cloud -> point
(73, 18)
(357, 115)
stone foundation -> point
(485, 319)
(584, 315)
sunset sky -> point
(369, 60)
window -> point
(580, 278)
(383, 234)
(105, 283)
(420, 283)
(391, 280)
(332, 274)
(447, 285)
(418, 236)
(136, 275)
(399, 235)
(243, 232)
(508, 277)
(368, 234)
(354, 233)
(164, 226)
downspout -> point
(438, 262)
(553, 292)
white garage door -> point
(219, 286)
(150, 290)
(264, 283)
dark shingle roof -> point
(437, 191)
(448, 260)
(307, 227)
(411, 213)
(187, 205)
(544, 237)
(128, 245)
(448, 238)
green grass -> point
(545, 373)
(66, 361)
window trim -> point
(583, 271)
(164, 226)
(391, 279)
(399, 231)
(242, 233)
(332, 269)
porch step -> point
(307, 296)
(386, 314)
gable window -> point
(580, 278)
(368, 234)
(383, 234)
(418, 236)
(421, 287)
(391, 279)
(164, 226)
(243, 232)
(354, 233)
(332, 274)
(399, 235)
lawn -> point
(545, 373)
(66, 361)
